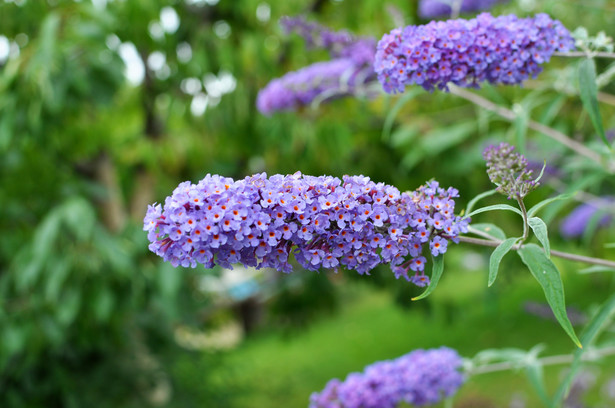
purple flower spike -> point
(327, 80)
(508, 170)
(419, 378)
(347, 73)
(575, 224)
(440, 8)
(500, 50)
(323, 221)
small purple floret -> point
(323, 221)
(500, 50)
(419, 378)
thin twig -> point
(565, 255)
(539, 127)
(590, 355)
(575, 54)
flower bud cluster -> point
(509, 171)
(348, 71)
(323, 221)
(504, 49)
(421, 377)
(440, 8)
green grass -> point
(275, 369)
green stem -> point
(564, 255)
(554, 134)
(526, 229)
(593, 355)
(589, 54)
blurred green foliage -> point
(87, 314)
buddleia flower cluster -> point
(419, 378)
(500, 50)
(346, 73)
(324, 222)
(588, 215)
(440, 8)
(339, 44)
(509, 171)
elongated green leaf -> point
(473, 201)
(590, 333)
(552, 110)
(390, 119)
(535, 376)
(493, 208)
(489, 229)
(537, 207)
(610, 245)
(490, 356)
(540, 230)
(496, 258)
(589, 95)
(547, 275)
(436, 273)
(596, 269)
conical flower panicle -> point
(421, 377)
(500, 50)
(324, 222)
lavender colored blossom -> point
(347, 73)
(340, 44)
(323, 222)
(575, 224)
(328, 79)
(505, 49)
(421, 377)
(509, 171)
(442, 8)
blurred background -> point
(105, 106)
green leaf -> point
(547, 275)
(496, 258)
(436, 273)
(590, 333)
(79, 216)
(489, 229)
(540, 230)
(535, 376)
(68, 308)
(390, 119)
(552, 110)
(103, 302)
(405, 135)
(479, 197)
(13, 338)
(597, 268)
(589, 95)
(537, 207)
(57, 270)
(493, 208)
